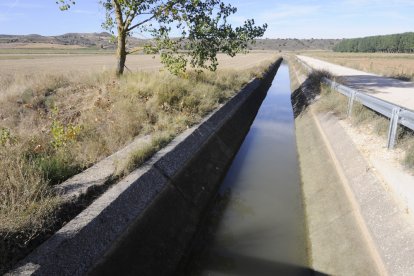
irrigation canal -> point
(257, 223)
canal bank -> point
(360, 225)
(339, 241)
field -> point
(46, 61)
(399, 66)
(61, 114)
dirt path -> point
(392, 90)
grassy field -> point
(56, 122)
(399, 66)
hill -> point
(98, 40)
(103, 41)
(294, 44)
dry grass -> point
(399, 66)
(145, 151)
(364, 119)
(409, 156)
(52, 126)
(332, 101)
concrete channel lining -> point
(144, 224)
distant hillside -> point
(103, 40)
(99, 40)
(293, 44)
(395, 43)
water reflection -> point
(256, 224)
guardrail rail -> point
(395, 113)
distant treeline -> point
(396, 43)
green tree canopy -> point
(396, 43)
(202, 26)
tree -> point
(396, 43)
(202, 25)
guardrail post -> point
(351, 103)
(392, 131)
(333, 85)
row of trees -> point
(396, 43)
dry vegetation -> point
(399, 66)
(362, 117)
(53, 126)
(367, 120)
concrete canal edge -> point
(338, 239)
(144, 224)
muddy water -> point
(256, 226)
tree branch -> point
(134, 51)
(140, 23)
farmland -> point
(23, 62)
(399, 66)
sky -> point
(285, 18)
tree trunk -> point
(122, 34)
(121, 53)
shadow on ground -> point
(307, 92)
(369, 82)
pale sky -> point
(286, 18)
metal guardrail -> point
(396, 113)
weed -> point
(6, 137)
(144, 152)
(58, 167)
(62, 135)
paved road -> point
(392, 90)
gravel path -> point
(391, 90)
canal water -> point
(256, 224)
